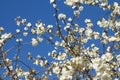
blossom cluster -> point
(76, 54)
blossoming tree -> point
(71, 58)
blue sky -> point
(34, 10)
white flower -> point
(18, 20)
(87, 20)
(39, 39)
(108, 48)
(6, 36)
(26, 73)
(40, 27)
(81, 8)
(106, 76)
(77, 13)
(96, 35)
(115, 4)
(65, 77)
(96, 63)
(112, 39)
(81, 30)
(19, 40)
(71, 2)
(70, 19)
(36, 62)
(33, 31)
(1, 42)
(103, 1)
(56, 70)
(61, 56)
(103, 23)
(34, 42)
(116, 79)
(25, 28)
(67, 73)
(25, 33)
(119, 69)
(42, 63)
(50, 26)
(19, 72)
(88, 32)
(23, 21)
(54, 5)
(53, 54)
(92, 45)
(107, 56)
(84, 40)
(18, 23)
(11, 68)
(66, 27)
(29, 24)
(1, 29)
(61, 16)
(17, 30)
(118, 59)
(49, 54)
(57, 43)
(52, 1)
(104, 35)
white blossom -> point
(25, 33)
(56, 70)
(34, 42)
(29, 24)
(17, 31)
(61, 16)
(51, 1)
(71, 2)
(23, 21)
(1, 29)
(107, 56)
